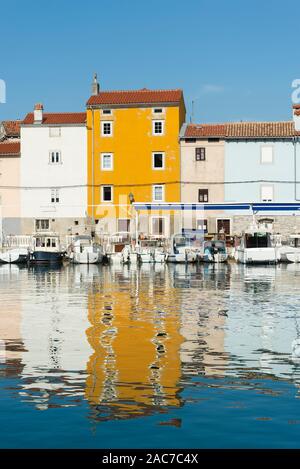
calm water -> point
(125, 357)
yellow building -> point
(133, 152)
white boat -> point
(215, 251)
(84, 251)
(14, 256)
(290, 252)
(46, 248)
(181, 250)
(151, 251)
(256, 247)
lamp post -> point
(131, 200)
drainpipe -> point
(295, 141)
(93, 157)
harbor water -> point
(140, 357)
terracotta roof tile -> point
(242, 130)
(58, 118)
(205, 130)
(9, 148)
(12, 128)
(143, 96)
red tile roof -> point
(58, 118)
(143, 96)
(10, 148)
(205, 130)
(12, 128)
(242, 130)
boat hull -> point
(87, 258)
(15, 256)
(43, 257)
(257, 256)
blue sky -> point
(236, 59)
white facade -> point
(53, 157)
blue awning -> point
(256, 207)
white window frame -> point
(163, 160)
(111, 161)
(55, 195)
(41, 220)
(54, 128)
(50, 157)
(202, 220)
(162, 126)
(156, 111)
(164, 218)
(102, 194)
(224, 218)
(102, 128)
(261, 193)
(123, 219)
(261, 154)
(163, 192)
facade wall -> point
(132, 145)
(201, 172)
(10, 198)
(243, 162)
(36, 170)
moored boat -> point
(14, 256)
(46, 248)
(181, 250)
(84, 251)
(256, 247)
(215, 251)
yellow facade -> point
(132, 145)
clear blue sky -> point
(237, 58)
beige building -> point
(202, 174)
(9, 188)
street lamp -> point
(131, 198)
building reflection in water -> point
(12, 346)
(135, 321)
(128, 340)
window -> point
(190, 140)
(213, 140)
(158, 193)
(106, 112)
(202, 225)
(76, 222)
(42, 225)
(266, 155)
(203, 195)
(106, 161)
(158, 127)
(54, 131)
(54, 196)
(123, 224)
(55, 157)
(158, 110)
(158, 226)
(200, 154)
(223, 225)
(158, 160)
(106, 129)
(106, 195)
(267, 193)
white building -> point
(53, 172)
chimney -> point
(95, 86)
(38, 113)
(296, 116)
